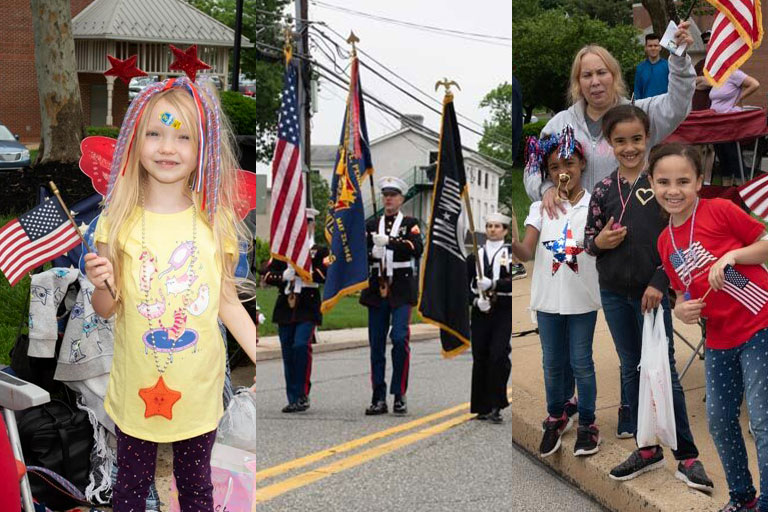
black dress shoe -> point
(400, 406)
(377, 408)
(303, 403)
(291, 408)
(495, 416)
(482, 417)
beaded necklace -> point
(159, 399)
(689, 259)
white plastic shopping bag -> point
(656, 412)
(237, 427)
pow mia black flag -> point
(444, 289)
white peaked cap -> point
(311, 213)
(498, 217)
(392, 183)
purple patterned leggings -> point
(136, 471)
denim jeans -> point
(567, 338)
(730, 374)
(625, 321)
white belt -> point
(397, 264)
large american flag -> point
(288, 229)
(743, 290)
(736, 32)
(755, 195)
(35, 238)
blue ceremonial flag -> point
(345, 223)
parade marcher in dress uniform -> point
(394, 245)
(297, 314)
(491, 320)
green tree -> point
(321, 193)
(497, 133)
(544, 48)
(262, 23)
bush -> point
(241, 111)
(261, 251)
(104, 131)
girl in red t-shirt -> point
(714, 254)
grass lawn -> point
(348, 312)
(11, 306)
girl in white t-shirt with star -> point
(564, 292)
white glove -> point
(485, 283)
(378, 253)
(483, 304)
(380, 240)
(289, 274)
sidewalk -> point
(328, 341)
(654, 491)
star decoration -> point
(564, 250)
(187, 61)
(159, 399)
(124, 69)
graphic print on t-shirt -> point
(737, 285)
(171, 291)
(564, 250)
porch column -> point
(110, 88)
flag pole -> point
(352, 39)
(690, 11)
(55, 191)
(465, 193)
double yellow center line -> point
(272, 491)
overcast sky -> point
(419, 56)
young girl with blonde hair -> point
(167, 242)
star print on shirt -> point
(564, 250)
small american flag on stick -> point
(35, 238)
(743, 290)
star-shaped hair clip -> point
(187, 61)
(124, 69)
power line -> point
(381, 104)
(472, 36)
(388, 109)
(393, 73)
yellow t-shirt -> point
(180, 300)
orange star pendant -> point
(159, 399)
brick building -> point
(756, 66)
(100, 27)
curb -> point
(657, 491)
(270, 353)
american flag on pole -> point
(736, 32)
(288, 228)
(755, 195)
(743, 290)
(40, 235)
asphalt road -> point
(333, 457)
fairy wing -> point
(97, 160)
(246, 193)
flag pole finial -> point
(447, 84)
(352, 39)
(288, 45)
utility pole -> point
(302, 43)
(236, 53)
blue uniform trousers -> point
(296, 344)
(379, 320)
